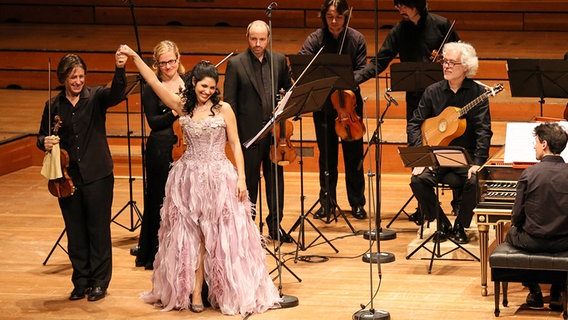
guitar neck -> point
(473, 103)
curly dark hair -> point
(200, 71)
(554, 134)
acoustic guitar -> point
(450, 124)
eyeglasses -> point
(166, 63)
(450, 63)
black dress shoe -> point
(459, 234)
(416, 217)
(97, 293)
(284, 237)
(359, 212)
(535, 300)
(134, 250)
(78, 293)
(321, 214)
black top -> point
(83, 130)
(541, 205)
(160, 117)
(477, 136)
(414, 43)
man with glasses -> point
(413, 39)
(460, 64)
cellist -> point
(335, 32)
(87, 212)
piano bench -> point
(509, 264)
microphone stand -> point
(285, 300)
(373, 313)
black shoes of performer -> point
(96, 293)
(416, 217)
(556, 298)
(444, 233)
(459, 234)
(321, 213)
(79, 293)
(535, 300)
(284, 237)
(359, 212)
(134, 250)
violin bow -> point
(345, 31)
(225, 58)
(49, 96)
(444, 41)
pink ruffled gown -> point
(201, 197)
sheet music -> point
(519, 142)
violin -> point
(348, 125)
(285, 152)
(179, 146)
(61, 187)
(436, 55)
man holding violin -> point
(338, 38)
(87, 212)
(416, 38)
(248, 90)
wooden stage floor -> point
(333, 285)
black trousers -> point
(327, 141)
(87, 215)
(158, 162)
(257, 156)
(423, 186)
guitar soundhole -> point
(443, 125)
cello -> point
(348, 125)
(285, 152)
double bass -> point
(348, 125)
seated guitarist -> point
(460, 64)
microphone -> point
(390, 98)
(271, 6)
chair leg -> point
(497, 287)
(505, 299)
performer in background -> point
(334, 16)
(168, 68)
(540, 213)
(248, 90)
(87, 212)
(460, 64)
(206, 231)
(413, 39)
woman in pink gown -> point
(206, 230)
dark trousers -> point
(87, 216)
(158, 162)
(327, 141)
(423, 186)
(256, 156)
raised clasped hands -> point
(120, 58)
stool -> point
(509, 264)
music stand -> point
(325, 65)
(414, 76)
(435, 157)
(541, 78)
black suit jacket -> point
(242, 92)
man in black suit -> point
(248, 90)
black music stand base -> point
(287, 301)
(371, 314)
(382, 257)
(383, 235)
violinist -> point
(334, 15)
(168, 68)
(87, 212)
(416, 38)
(248, 90)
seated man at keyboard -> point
(540, 213)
